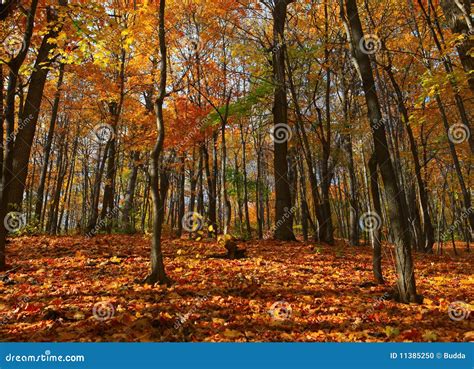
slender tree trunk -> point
(377, 231)
(458, 14)
(128, 209)
(49, 142)
(181, 204)
(246, 191)
(406, 286)
(159, 180)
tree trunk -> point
(283, 215)
(458, 15)
(159, 180)
(9, 118)
(406, 286)
(30, 112)
(377, 231)
(246, 191)
(47, 147)
(181, 204)
(128, 210)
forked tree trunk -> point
(406, 286)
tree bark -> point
(458, 15)
(47, 147)
(283, 214)
(377, 231)
(128, 210)
(406, 286)
(159, 179)
(30, 112)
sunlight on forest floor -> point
(80, 289)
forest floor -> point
(80, 289)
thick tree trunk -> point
(115, 109)
(406, 286)
(283, 215)
(30, 112)
(9, 119)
